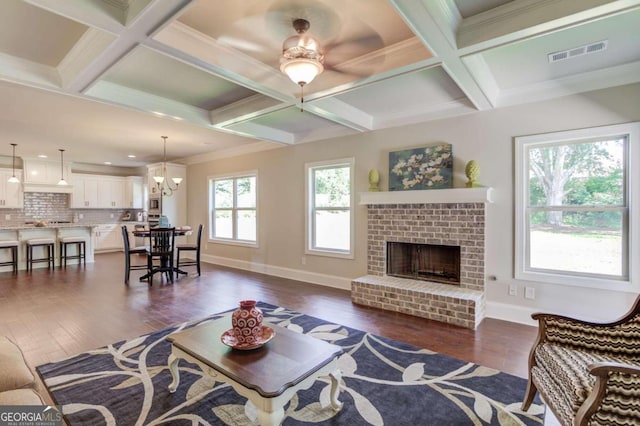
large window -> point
(573, 206)
(330, 208)
(234, 213)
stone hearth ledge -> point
(439, 302)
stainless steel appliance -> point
(154, 203)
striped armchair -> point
(587, 373)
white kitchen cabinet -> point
(44, 172)
(85, 191)
(108, 237)
(11, 195)
(111, 192)
(134, 192)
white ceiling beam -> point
(259, 131)
(421, 16)
(87, 50)
(93, 13)
(578, 83)
(22, 71)
(245, 109)
(153, 17)
(523, 19)
(141, 101)
(340, 112)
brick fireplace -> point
(453, 224)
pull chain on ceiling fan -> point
(301, 57)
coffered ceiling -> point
(106, 78)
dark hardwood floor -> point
(56, 314)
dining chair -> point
(161, 245)
(190, 247)
(128, 251)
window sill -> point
(233, 242)
(625, 286)
(329, 253)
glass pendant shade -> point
(301, 70)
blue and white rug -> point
(384, 382)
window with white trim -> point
(573, 206)
(233, 208)
(330, 200)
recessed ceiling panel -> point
(345, 29)
(34, 34)
(160, 75)
(526, 63)
(412, 92)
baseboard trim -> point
(512, 313)
(278, 271)
(501, 311)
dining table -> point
(179, 232)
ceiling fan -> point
(303, 56)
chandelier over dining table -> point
(166, 186)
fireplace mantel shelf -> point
(453, 195)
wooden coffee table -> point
(268, 376)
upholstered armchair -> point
(587, 373)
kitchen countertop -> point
(66, 225)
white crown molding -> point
(244, 110)
(232, 152)
(453, 108)
(481, 72)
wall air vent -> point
(587, 49)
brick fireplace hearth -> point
(441, 223)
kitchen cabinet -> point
(85, 192)
(106, 192)
(108, 237)
(111, 192)
(11, 195)
(44, 172)
(134, 192)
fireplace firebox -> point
(428, 262)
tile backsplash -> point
(55, 207)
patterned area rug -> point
(383, 382)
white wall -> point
(486, 137)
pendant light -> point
(13, 178)
(162, 182)
(62, 181)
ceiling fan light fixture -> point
(301, 70)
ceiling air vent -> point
(587, 49)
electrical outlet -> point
(7, 217)
(513, 290)
(111, 215)
(529, 293)
(303, 260)
(80, 216)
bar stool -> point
(13, 246)
(40, 242)
(81, 249)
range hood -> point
(43, 176)
(40, 187)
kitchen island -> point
(54, 231)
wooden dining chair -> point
(128, 251)
(161, 245)
(190, 247)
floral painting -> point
(421, 168)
